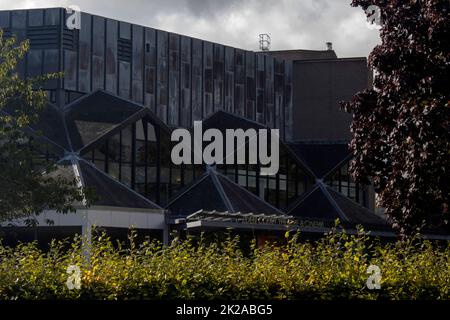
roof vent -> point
(45, 37)
(70, 39)
(124, 49)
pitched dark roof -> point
(215, 192)
(108, 192)
(203, 194)
(315, 205)
(245, 202)
(111, 192)
(223, 120)
(323, 203)
(90, 117)
(356, 213)
(49, 127)
(321, 158)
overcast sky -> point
(292, 24)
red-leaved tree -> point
(401, 127)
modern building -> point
(126, 87)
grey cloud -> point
(292, 24)
(210, 8)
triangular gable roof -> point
(108, 191)
(323, 203)
(111, 192)
(49, 128)
(315, 205)
(91, 118)
(216, 192)
(145, 112)
(93, 115)
(223, 120)
(356, 213)
(51, 125)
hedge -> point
(334, 267)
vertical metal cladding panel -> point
(260, 88)
(98, 53)
(84, 54)
(124, 79)
(35, 18)
(208, 85)
(239, 93)
(35, 57)
(19, 24)
(70, 70)
(137, 91)
(52, 16)
(197, 79)
(70, 61)
(186, 86)
(162, 75)
(124, 66)
(19, 28)
(270, 92)
(250, 87)
(50, 66)
(5, 21)
(219, 74)
(51, 61)
(229, 79)
(111, 56)
(289, 117)
(174, 79)
(150, 68)
(279, 94)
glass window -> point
(176, 179)
(140, 157)
(341, 181)
(280, 190)
(100, 157)
(271, 192)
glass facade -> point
(342, 181)
(139, 157)
(280, 190)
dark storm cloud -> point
(292, 24)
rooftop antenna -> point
(264, 42)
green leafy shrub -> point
(334, 267)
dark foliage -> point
(401, 127)
(29, 184)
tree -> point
(26, 188)
(401, 127)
